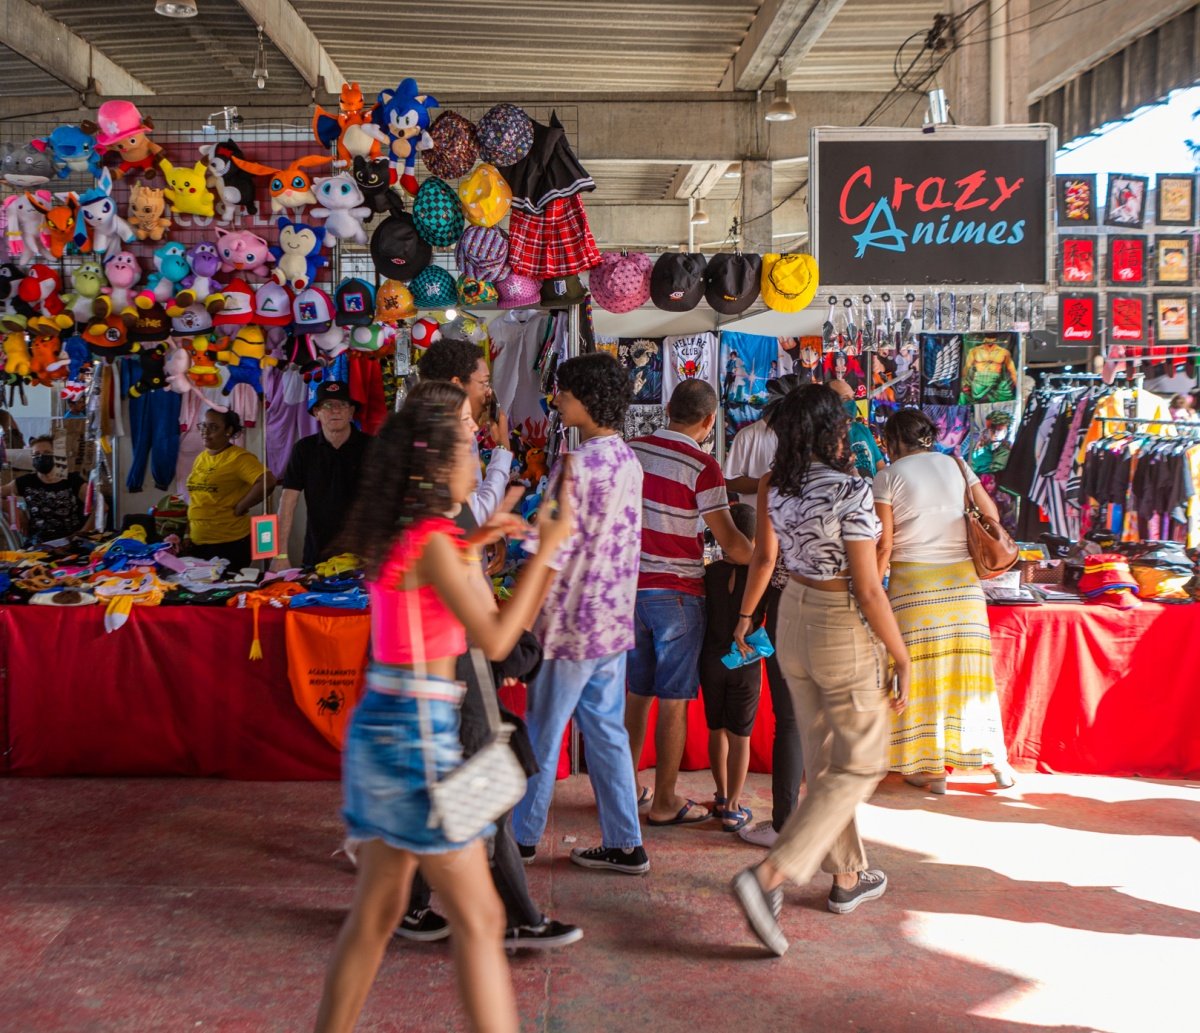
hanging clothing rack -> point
(1193, 432)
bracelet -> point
(281, 555)
(747, 616)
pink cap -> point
(517, 291)
(118, 118)
(621, 283)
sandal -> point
(645, 799)
(735, 821)
(683, 816)
(719, 803)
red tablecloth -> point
(1083, 688)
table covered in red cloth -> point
(1083, 689)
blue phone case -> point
(762, 647)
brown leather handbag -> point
(992, 548)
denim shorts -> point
(385, 774)
(668, 633)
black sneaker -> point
(628, 861)
(871, 885)
(758, 905)
(528, 853)
(541, 937)
(423, 925)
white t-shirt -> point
(751, 454)
(925, 492)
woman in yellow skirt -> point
(953, 714)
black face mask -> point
(43, 463)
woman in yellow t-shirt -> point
(225, 483)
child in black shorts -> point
(730, 696)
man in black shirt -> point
(55, 504)
(325, 468)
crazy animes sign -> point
(911, 209)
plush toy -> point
(170, 270)
(187, 189)
(108, 230)
(203, 373)
(40, 291)
(242, 252)
(375, 177)
(67, 232)
(298, 256)
(376, 337)
(17, 360)
(108, 336)
(403, 114)
(78, 356)
(300, 352)
(348, 133)
(74, 149)
(246, 356)
(178, 368)
(290, 188)
(88, 281)
(147, 212)
(154, 374)
(122, 272)
(193, 318)
(234, 186)
(27, 241)
(205, 262)
(332, 342)
(341, 206)
(26, 165)
(123, 137)
(11, 275)
(45, 349)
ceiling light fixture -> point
(781, 109)
(734, 171)
(260, 73)
(177, 8)
(698, 217)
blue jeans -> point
(669, 633)
(594, 692)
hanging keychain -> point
(827, 331)
(868, 331)
(851, 326)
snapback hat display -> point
(355, 302)
(434, 287)
(562, 292)
(517, 291)
(731, 282)
(437, 214)
(272, 304)
(621, 282)
(312, 311)
(677, 281)
(455, 147)
(393, 302)
(239, 302)
(397, 249)
(472, 291)
(482, 252)
(504, 134)
(485, 196)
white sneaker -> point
(763, 834)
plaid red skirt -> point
(558, 242)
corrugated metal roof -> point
(22, 78)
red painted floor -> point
(1065, 903)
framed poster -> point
(1126, 200)
(1077, 264)
(1175, 196)
(1076, 200)
(1173, 260)
(1078, 318)
(960, 206)
(1127, 318)
(1172, 319)
(1126, 265)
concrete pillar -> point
(756, 221)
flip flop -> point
(682, 817)
(645, 799)
(740, 819)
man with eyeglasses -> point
(325, 468)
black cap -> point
(355, 302)
(677, 281)
(731, 282)
(397, 250)
(562, 292)
(332, 391)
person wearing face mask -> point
(868, 460)
(225, 483)
(54, 503)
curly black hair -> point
(449, 358)
(909, 430)
(405, 474)
(601, 385)
(812, 426)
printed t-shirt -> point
(55, 510)
(215, 485)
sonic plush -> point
(403, 115)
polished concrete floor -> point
(1066, 903)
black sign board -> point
(930, 209)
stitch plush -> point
(242, 252)
(246, 356)
(74, 149)
(298, 256)
(147, 212)
(67, 232)
(234, 186)
(290, 188)
(124, 138)
(348, 132)
(187, 189)
(27, 241)
(170, 270)
(108, 230)
(122, 272)
(341, 206)
(88, 281)
(26, 165)
(403, 114)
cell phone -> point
(493, 410)
(895, 686)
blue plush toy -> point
(403, 114)
(74, 150)
(298, 255)
(77, 352)
(170, 270)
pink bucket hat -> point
(517, 291)
(117, 118)
(621, 282)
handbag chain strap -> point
(969, 507)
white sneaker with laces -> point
(763, 834)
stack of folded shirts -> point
(1164, 573)
(1107, 579)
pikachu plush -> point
(187, 189)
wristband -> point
(747, 616)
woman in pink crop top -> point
(428, 596)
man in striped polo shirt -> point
(681, 487)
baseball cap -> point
(272, 304)
(331, 391)
(562, 292)
(731, 282)
(355, 301)
(312, 311)
(397, 249)
(677, 281)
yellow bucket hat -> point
(789, 282)
(485, 196)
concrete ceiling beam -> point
(46, 42)
(698, 179)
(782, 34)
(282, 23)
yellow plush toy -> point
(187, 189)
